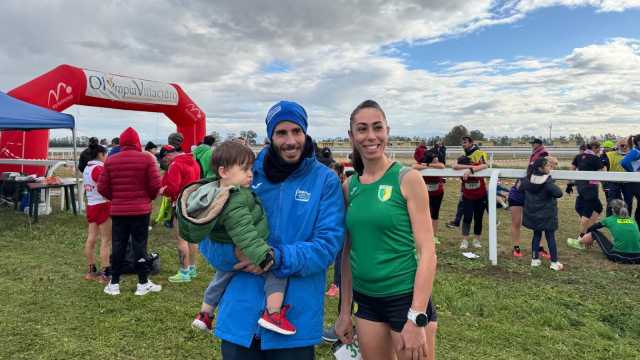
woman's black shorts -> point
(586, 207)
(435, 201)
(390, 309)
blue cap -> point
(286, 111)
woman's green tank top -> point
(383, 255)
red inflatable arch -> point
(67, 85)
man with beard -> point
(305, 210)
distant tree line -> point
(67, 141)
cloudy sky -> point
(504, 67)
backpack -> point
(128, 265)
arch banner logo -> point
(121, 88)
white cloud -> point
(335, 58)
(600, 5)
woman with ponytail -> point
(97, 212)
(625, 246)
(388, 259)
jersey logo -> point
(625, 221)
(256, 186)
(384, 192)
(302, 195)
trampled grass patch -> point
(589, 311)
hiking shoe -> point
(452, 225)
(144, 289)
(545, 255)
(277, 321)
(202, 322)
(476, 244)
(536, 262)
(575, 243)
(193, 272)
(112, 289)
(329, 334)
(556, 265)
(436, 240)
(180, 277)
(517, 252)
(333, 291)
(464, 244)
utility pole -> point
(550, 127)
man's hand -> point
(467, 173)
(414, 341)
(246, 265)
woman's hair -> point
(619, 208)
(537, 165)
(95, 148)
(90, 153)
(150, 145)
(358, 165)
(634, 141)
(231, 153)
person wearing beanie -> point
(291, 184)
(176, 139)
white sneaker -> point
(112, 289)
(536, 262)
(557, 266)
(464, 245)
(144, 289)
(476, 243)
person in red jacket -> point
(182, 171)
(131, 181)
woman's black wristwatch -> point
(420, 319)
(268, 260)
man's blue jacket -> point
(306, 224)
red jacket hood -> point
(184, 158)
(129, 139)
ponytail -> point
(356, 160)
(90, 153)
(619, 208)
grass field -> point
(589, 311)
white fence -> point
(493, 151)
(495, 174)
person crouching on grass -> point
(541, 209)
(625, 244)
(229, 212)
(98, 209)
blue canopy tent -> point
(19, 115)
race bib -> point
(433, 186)
(472, 185)
(348, 351)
